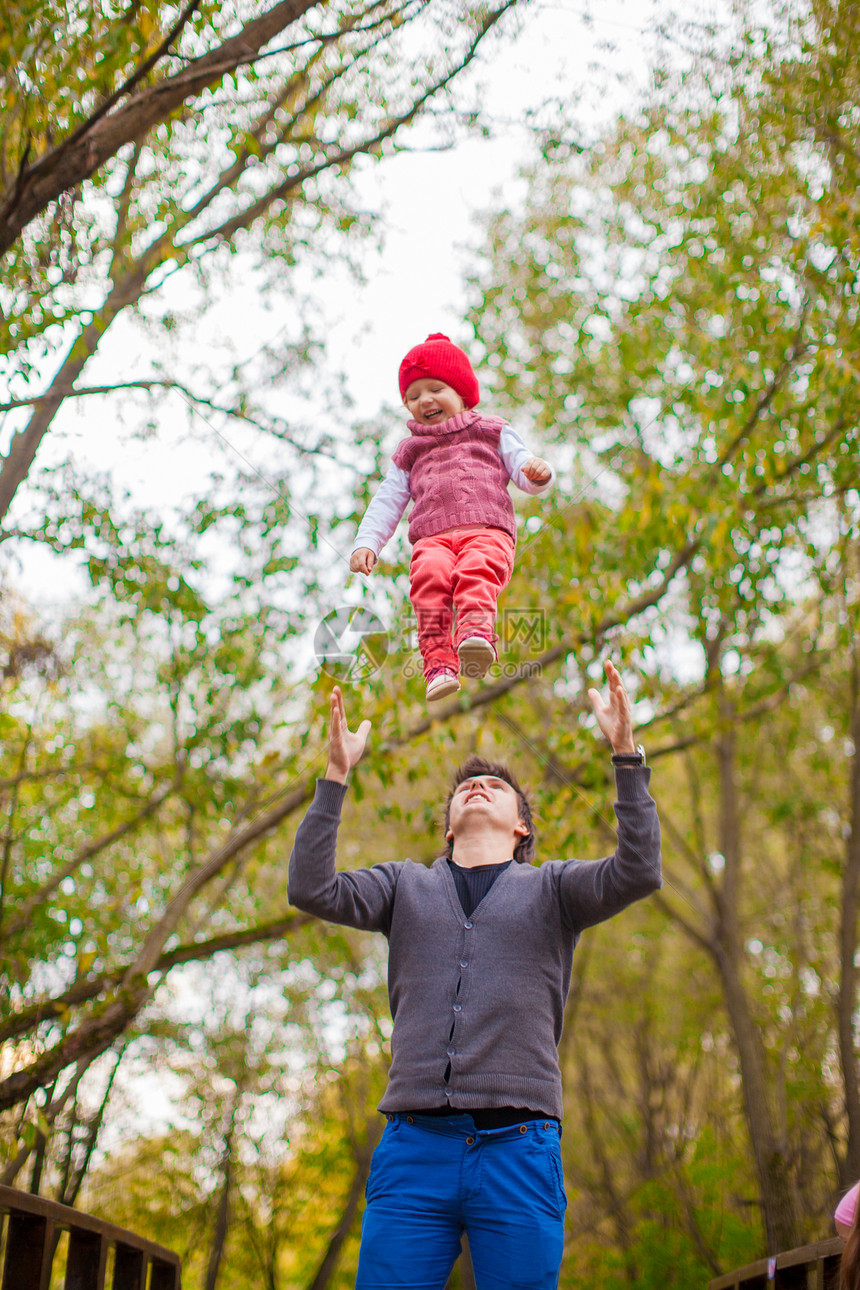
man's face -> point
(486, 800)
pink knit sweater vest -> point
(456, 475)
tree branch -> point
(22, 1023)
(51, 158)
(767, 395)
(199, 400)
(92, 849)
(369, 146)
(38, 185)
(96, 1033)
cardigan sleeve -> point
(362, 898)
(592, 891)
(514, 455)
(384, 511)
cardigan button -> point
(458, 1007)
(468, 926)
(464, 962)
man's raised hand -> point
(345, 747)
(614, 717)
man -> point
(480, 952)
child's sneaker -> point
(476, 654)
(441, 683)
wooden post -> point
(34, 1226)
(26, 1266)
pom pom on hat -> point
(438, 357)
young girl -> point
(847, 1220)
(455, 466)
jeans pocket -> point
(556, 1172)
(379, 1158)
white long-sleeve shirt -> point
(392, 497)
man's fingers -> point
(617, 692)
(338, 715)
(596, 701)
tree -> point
(275, 1130)
(696, 362)
(654, 309)
(267, 161)
(183, 177)
(651, 1131)
(119, 106)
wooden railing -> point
(812, 1267)
(31, 1233)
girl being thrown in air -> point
(455, 466)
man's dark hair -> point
(524, 851)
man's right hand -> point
(362, 560)
(345, 747)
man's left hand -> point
(614, 717)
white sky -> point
(432, 199)
(429, 201)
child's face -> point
(430, 401)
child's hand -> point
(537, 470)
(362, 560)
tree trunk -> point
(778, 1196)
(73, 1179)
(328, 1265)
(38, 1163)
(222, 1217)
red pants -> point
(462, 571)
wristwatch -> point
(630, 759)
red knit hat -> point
(438, 358)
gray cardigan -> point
(487, 993)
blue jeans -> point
(432, 1178)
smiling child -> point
(455, 467)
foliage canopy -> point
(676, 311)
